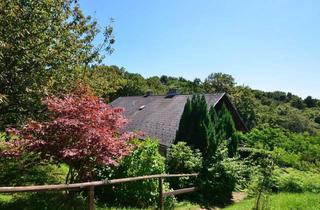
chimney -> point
(171, 93)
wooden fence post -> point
(90, 198)
(161, 193)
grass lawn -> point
(178, 206)
(5, 198)
(281, 201)
(284, 201)
(7, 203)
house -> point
(159, 116)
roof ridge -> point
(223, 93)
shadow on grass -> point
(43, 201)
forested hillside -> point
(258, 108)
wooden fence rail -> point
(91, 185)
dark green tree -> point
(164, 79)
(195, 126)
(184, 124)
(214, 141)
(310, 102)
(297, 102)
(226, 130)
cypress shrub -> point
(195, 126)
(226, 130)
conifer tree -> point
(226, 130)
(214, 141)
(182, 131)
(195, 126)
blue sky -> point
(266, 44)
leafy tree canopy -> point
(219, 82)
(44, 47)
(82, 132)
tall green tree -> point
(105, 81)
(310, 102)
(245, 102)
(184, 124)
(219, 82)
(155, 85)
(44, 46)
(135, 85)
(195, 126)
(226, 130)
(214, 141)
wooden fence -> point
(91, 185)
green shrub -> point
(2, 137)
(292, 180)
(218, 177)
(216, 184)
(145, 160)
(301, 151)
(183, 160)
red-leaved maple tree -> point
(82, 132)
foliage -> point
(310, 102)
(245, 103)
(300, 151)
(82, 133)
(219, 82)
(296, 181)
(264, 184)
(219, 173)
(44, 47)
(183, 160)
(28, 171)
(217, 176)
(155, 85)
(217, 184)
(195, 126)
(144, 160)
(217, 133)
(106, 81)
(257, 108)
(135, 85)
(287, 111)
(297, 103)
(226, 130)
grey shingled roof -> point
(160, 116)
